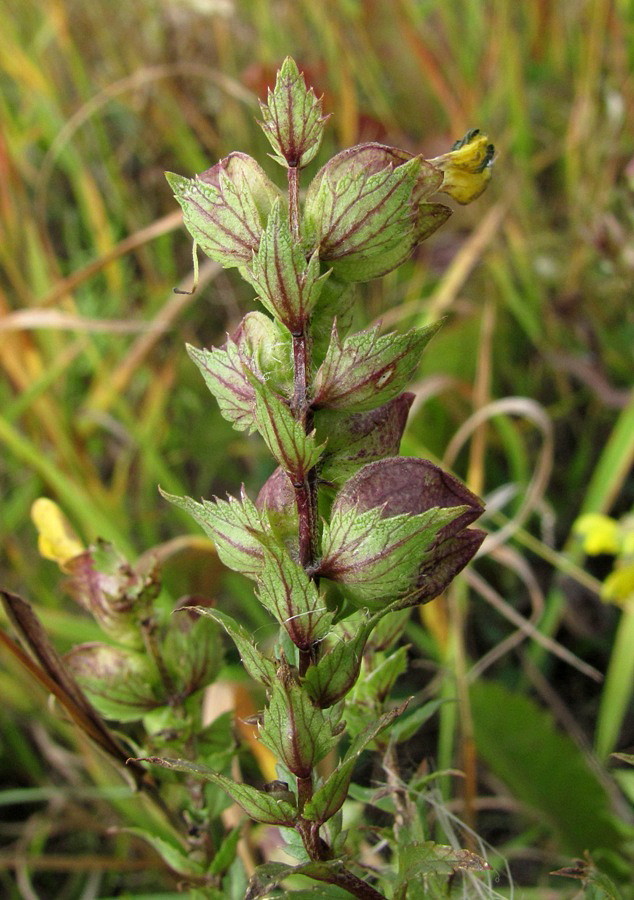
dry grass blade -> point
(534, 412)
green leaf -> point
(337, 301)
(122, 684)
(292, 118)
(329, 798)
(175, 857)
(257, 665)
(257, 804)
(355, 439)
(407, 727)
(236, 527)
(285, 437)
(225, 208)
(292, 597)
(376, 559)
(288, 285)
(294, 729)
(192, 651)
(226, 852)
(420, 858)
(267, 347)
(367, 370)
(543, 769)
(378, 683)
(337, 671)
(269, 876)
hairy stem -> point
(301, 363)
(293, 201)
(305, 491)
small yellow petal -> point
(467, 167)
(618, 587)
(600, 534)
(56, 539)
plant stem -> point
(293, 201)
(301, 364)
(305, 490)
(304, 791)
(319, 851)
(150, 639)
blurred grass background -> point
(99, 403)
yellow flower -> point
(467, 167)
(56, 539)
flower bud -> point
(117, 594)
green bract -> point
(225, 207)
(292, 119)
(365, 210)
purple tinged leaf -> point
(258, 348)
(223, 371)
(329, 798)
(295, 730)
(364, 210)
(360, 217)
(374, 559)
(121, 684)
(398, 530)
(288, 285)
(226, 207)
(372, 158)
(367, 370)
(286, 591)
(429, 218)
(236, 527)
(191, 650)
(277, 499)
(409, 485)
(355, 439)
(256, 664)
(445, 562)
(292, 118)
(257, 804)
(277, 494)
